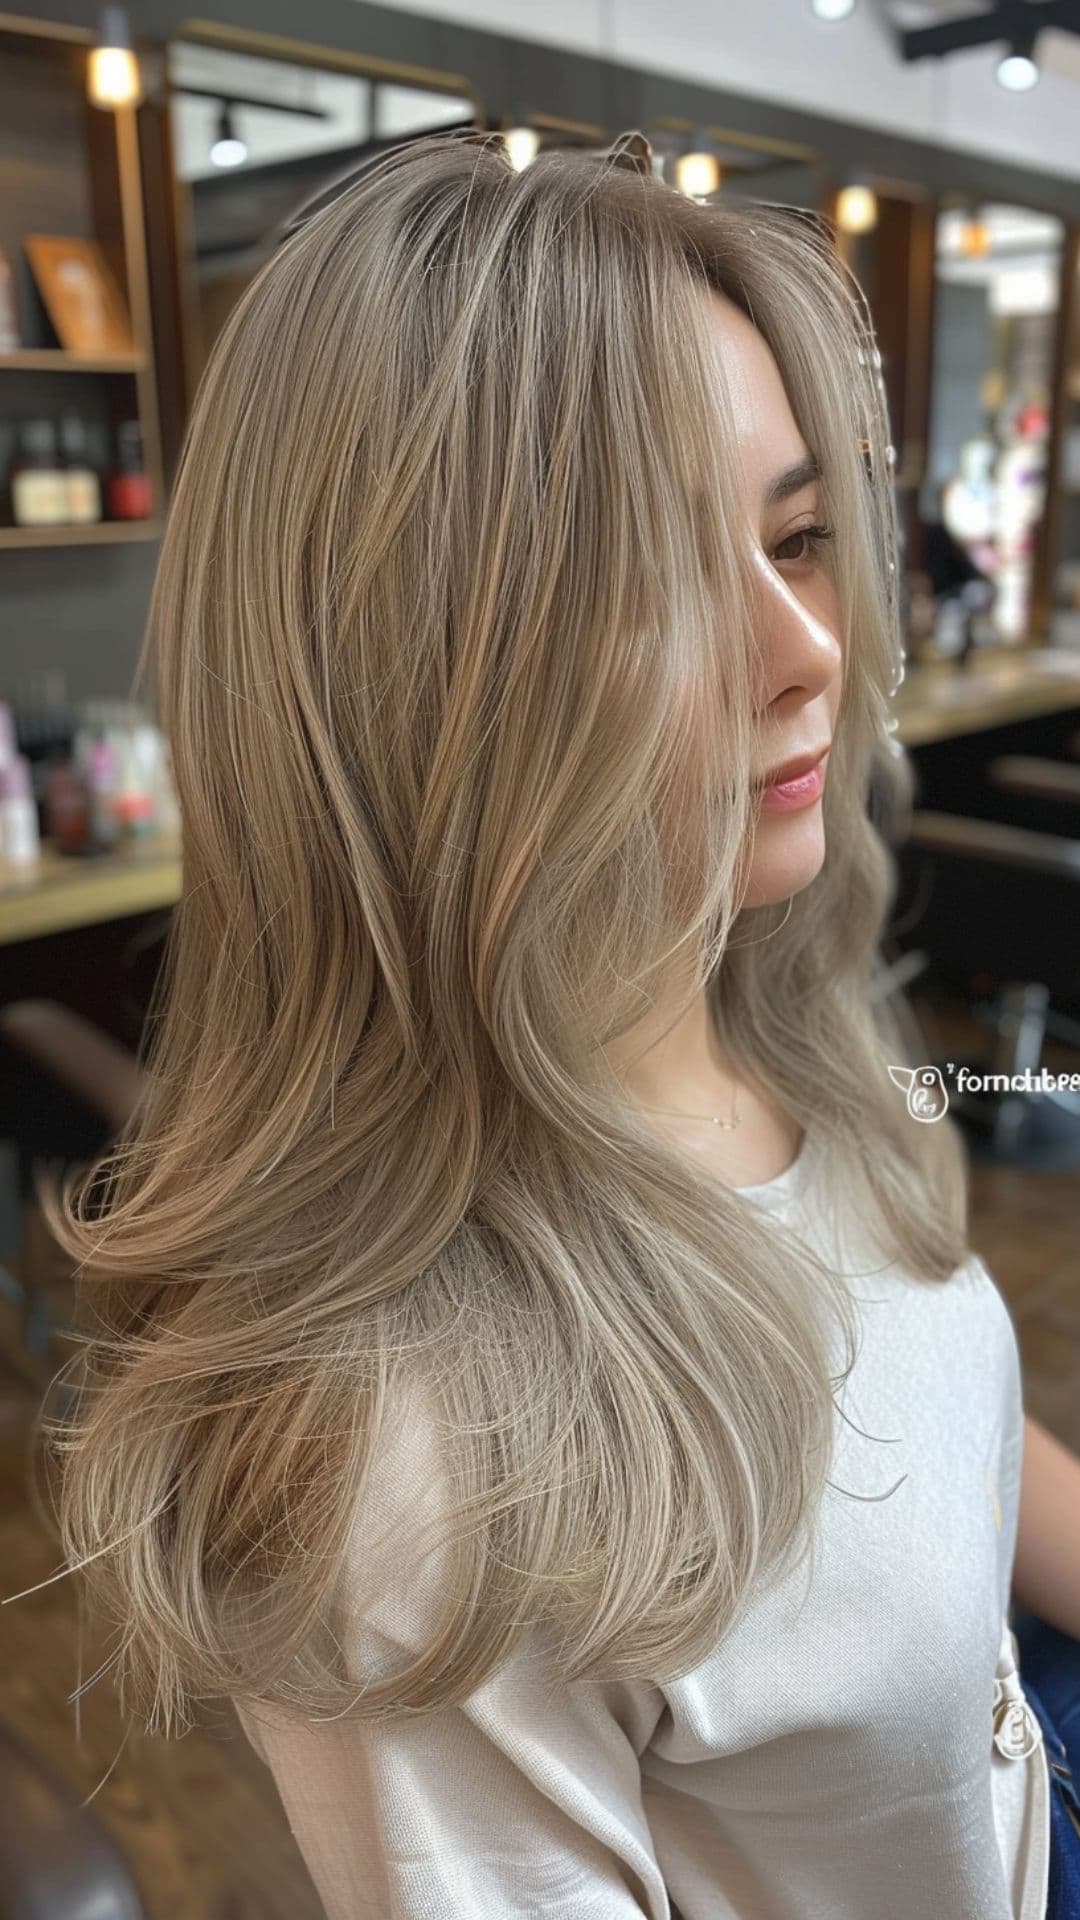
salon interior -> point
(147, 159)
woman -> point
(520, 1171)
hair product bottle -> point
(20, 841)
(127, 486)
(81, 480)
(37, 483)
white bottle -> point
(949, 626)
(20, 840)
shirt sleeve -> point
(523, 1801)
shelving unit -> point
(57, 360)
(69, 167)
(89, 535)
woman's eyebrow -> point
(792, 480)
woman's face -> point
(797, 609)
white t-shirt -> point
(833, 1757)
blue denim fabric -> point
(1050, 1677)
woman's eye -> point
(817, 538)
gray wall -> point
(81, 609)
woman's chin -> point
(789, 852)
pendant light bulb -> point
(856, 208)
(697, 174)
(523, 145)
(973, 237)
(228, 149)
(112, 71)
(1016, 70)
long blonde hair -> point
(453, 634)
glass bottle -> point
(37, 484)
(83, 485)
(127, 485)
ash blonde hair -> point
(453, 634)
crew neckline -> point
(768, 1192)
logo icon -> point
(927, 1096)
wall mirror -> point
(254, 136)
(996, 301)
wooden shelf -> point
(98, 532)
(57, 360)
(75, 169)
(60, 891)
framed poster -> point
(81, 296)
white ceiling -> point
(778, 50)
(849, 70)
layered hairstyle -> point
(453, 639)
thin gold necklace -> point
(715, 1118)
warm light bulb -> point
(112, 78)
(523, 145)
(974, 238)
(856, 209)
(697, 174)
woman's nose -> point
(800, 648)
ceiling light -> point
(973, 237)
(1016, 70)
(228, 150)
(523, 145)
(856, 208)
(112, 71)
(697, 174)
(832, 9)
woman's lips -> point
(800, 792)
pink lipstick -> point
(799, 791)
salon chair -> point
(998, 906)
(1044, 779)
(57, 1861)
(78, 1086)
(1005, 773)
(70, 1088)
(1024, 775)
(1035, 791)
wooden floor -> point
(197, 1819)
